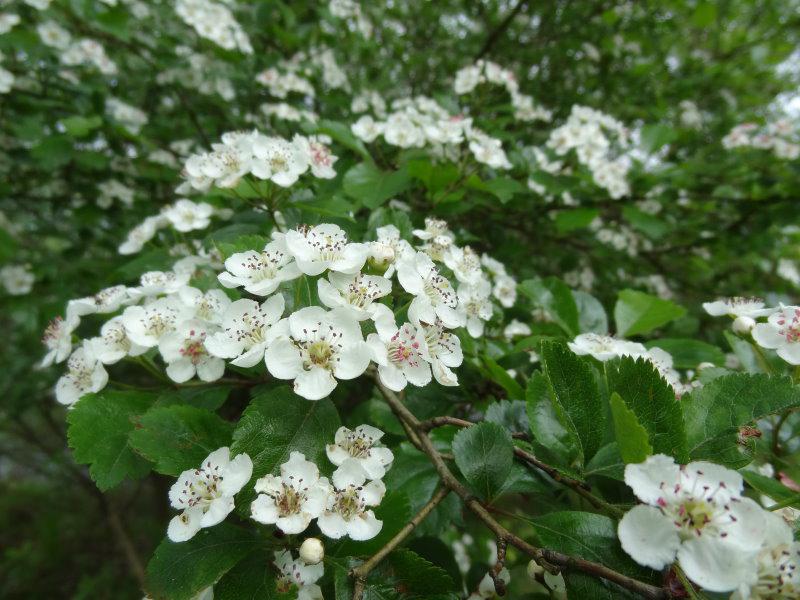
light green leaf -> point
(372, 187)
(632, 439)
(654, 137)
(484, 455)
(637, 312)
(574, 218)
(549, 425)
(556, 298)
(591, 314)
(771, 487)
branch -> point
(552, 557)
(499, 30)
(361, 572)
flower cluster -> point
(723, 541)
(351, 10)
(83, 52)
(108, 191)
(599, 142)
(17, 279)
(267, 158)
(183, 215)
(215, 22)
(8, 21)
(201, 73)
(419, 122)
(468, 78)
(779, 136)
(341, 506)
(130, 117)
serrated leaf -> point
(636, 312)
(98, 430)
(501, 377)
(416, 575)
(549, 425)
(632, 441)
(178, 571)
(556, 298)
(210, 398)
(253, 578)
(653, 402)
(592, 316)
(484, 455)
(511, 415)
(574, 218)
(176, 438)
(575, 390)
(715, 412)
(278, 421)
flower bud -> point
(312, 551)
(743, 324)
(534, 569)
(705, 365)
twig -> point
(361, 572)
(499, 584)
(500, 30)
(552, 557)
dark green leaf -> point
(632, 439)
(484, 454)
(637, 312)
(371, 186)
(556, 298)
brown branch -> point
(500, 30)
(361, 572)
(557, 559)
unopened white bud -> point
(705, 365)
(743, 324)
(534, 569)
(312, 551)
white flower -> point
(467, 79)
(247, 329)
(58, 339)
(7, 22)
(737, 307)
(296, 574)
(362, 448)
(185, 353)
(113, 343)
(781, 332)
(325, 247)
(141, 234)
(516, 328)
(505, 290)
(107, 300)
(401, 354)
(464, 263)
(312, 551)
(367, 129)
(53, 35)
(320, 156)
(260, 273)
(321, 346)
(354, 293)
(777, 566)
(696, 513)
(290, 501)
(346, 512)
(434, 297)
(146, 325)
(185, 215)
(444, 352)
(474, 306)
(388, 248)
(154, 283)
(17, 279)
(279, 160)
(205, 495)
(604, 347)
(85, 374)
(209, 306)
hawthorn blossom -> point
(107, 300)
(17, 279)
(360, 446)
(516, 328)
(464, 263)
(279, 160)
(695, 513)
(185, 353)
(320, 156)
(298, 575)
(205, 495)
(356, 294)
(141, 234)
(444, 352)
(113, 344)
(147, 324)
(58, 340)
(260, 273)
(324, 247)
(434, 296)
(781, 332)
(312, 551)
(400, 353)
(185, 215)
(85, 374)
(154, 283)
(505, 290)
(207, 306)
(247, 329)
(318, 348)
(604, 347)
(474, 306)
(292, 499)
(347, 511)
(388, 249)
(367, 129)
(743, 310)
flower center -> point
(348, 503)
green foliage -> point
(484, 455)
(555, 297)
(632, 438)
(636, 312)
(373, 187)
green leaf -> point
(637, 312)
(210, 397)
(372, 187)
(653, 402)
(632, 438)
(484, 455)
(607, 463)
(652, 226)
(253, 578)
(654, 137)
(575, 390)
(574, 218)
(556, 298)
(176, 438)
(53, 152)
(770, 487)
(278, 421)
(500, 376)
(416, 575)
(341, 133)
(503, 188)
(98, 429)
(78, 126)
(715, 412)
(688, 353)
(178, 571)
(549, 425)
(591, 314)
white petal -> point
(184, 526)
(645, 478)
(716, 565)
(648, 536)
(332, 525)
(181, 370)
(364, 526)
(767, 336)
(790, 353)
(217, 511)
(238, 473)
(295, 523)
(210, 369)
(354, 360)
(263, 510)
(314, 384)
(283, 359)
